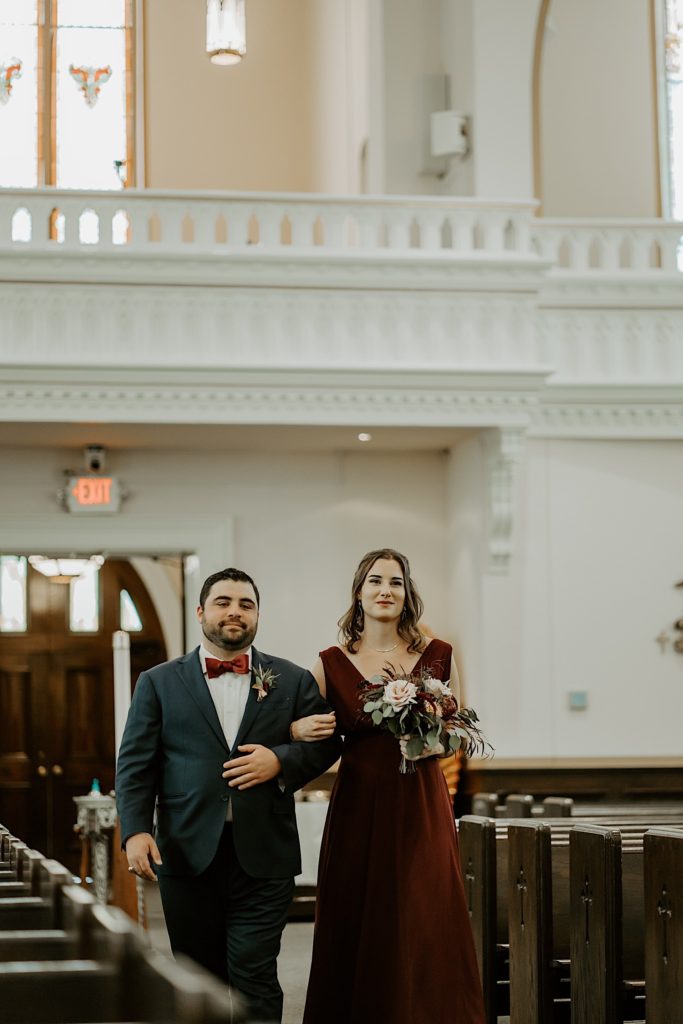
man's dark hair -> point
(226, 574)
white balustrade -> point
(459, 228)
(587, 246)
(187, 220)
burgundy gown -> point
(392, 943)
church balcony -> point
(464, 311)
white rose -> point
(399, 693)
(437, 688)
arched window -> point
(669, 34)
(67, 91)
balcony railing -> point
(209, 221)
(589, 245)
(194, 223)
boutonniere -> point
(265, 680)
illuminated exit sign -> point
(92, 494)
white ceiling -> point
(195, 437)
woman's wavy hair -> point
(352, 623)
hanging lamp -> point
(226, 31)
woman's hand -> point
(312, 728)
(429, 751)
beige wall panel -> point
(598, 137)
(244, 127)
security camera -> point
(94, 455)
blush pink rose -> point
(399, 693)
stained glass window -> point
(671, 64)
(130, 617)
(66, 93)
(90, 88)
(13, 615)
(19, 93)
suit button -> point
(225, 798)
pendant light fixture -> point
(226, 31)
(63, 570)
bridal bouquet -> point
(422, 710)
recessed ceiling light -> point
(365, 437)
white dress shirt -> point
(229, 692)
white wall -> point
(243, 127)
(502, 64)
(338, 93)
(322, 76)
(597, 550)
(413, 87)
(485, 47)
(301, 522)
(285, 119)
(598, 124)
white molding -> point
(296, 328)
(503, 453)
(373, 398)
(208, 537)
(263, 267)
(400, 396)
(630, 412)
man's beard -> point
(234, 642)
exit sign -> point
(92, 494)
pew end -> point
(663, 877)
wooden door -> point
(57, 705)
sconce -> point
(676, 639)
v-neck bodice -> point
(343, 677)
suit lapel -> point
(190, 670)
(253, 705)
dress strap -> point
(438, 656)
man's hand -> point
(141, 851)
(258, 765)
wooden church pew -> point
(663, 855)
(484, 860)
(41, 909)
(606, 911)
(100, 968)
(605, 952)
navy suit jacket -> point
(172, 754)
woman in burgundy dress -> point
(392, 942)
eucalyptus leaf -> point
(377, 717)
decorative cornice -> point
(381, 398)
(627, 412)
(507, 399)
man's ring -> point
(131, 869)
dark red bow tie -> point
(238, 665)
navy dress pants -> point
(232, 925)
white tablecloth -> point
(310, 819)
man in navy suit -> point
(207, 739)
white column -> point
(121, 646)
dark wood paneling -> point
(591, 784)
(57, 707)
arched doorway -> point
(57, 700)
